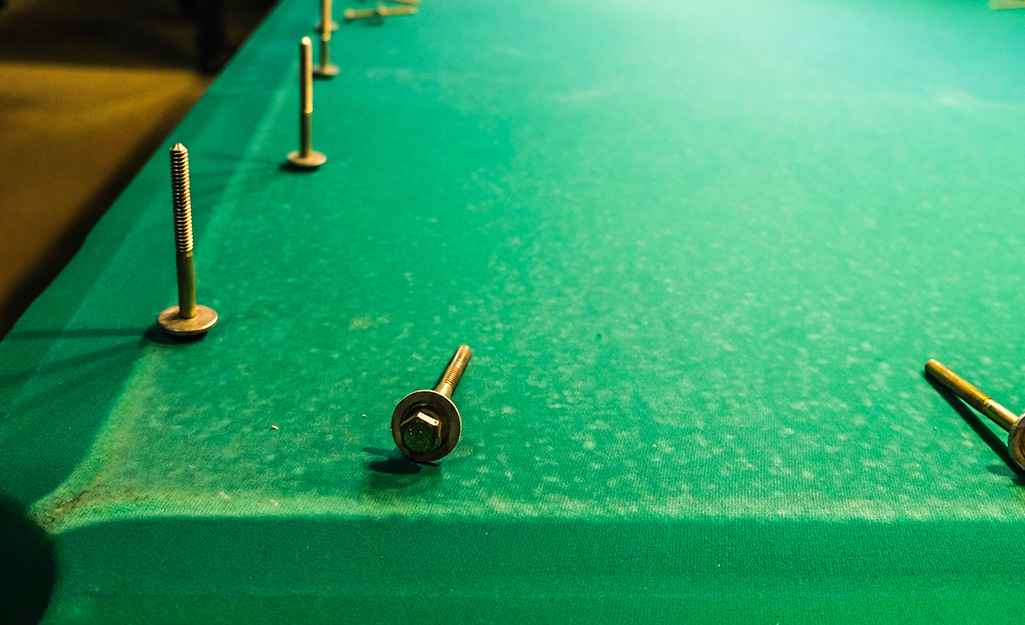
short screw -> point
(975, 398)
(325, 69)
(426, 424)
(188, 317)
(306, 157)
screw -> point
(975, 398)
(325, 69)
(306, 157)
(380, 11)
(325, 18)
(426, 424)
(188, 317)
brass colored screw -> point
(975, 398)
(426, 424)
(380, 11)
(325, 69)
(306, 157)
(325, 18)
(188, 317)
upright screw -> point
(325, 69)
(306, 157)
(426, 424)
(325, 19)
(187, 317)
(975, 398)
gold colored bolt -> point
(325, 69)
(1012, 423)
(325, 18)
(188, 317)
(380, 11)
(426, 424)
(306, 157)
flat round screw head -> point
(426, 426)
(173, 325)
(312, 160)
(326, 71)
(1016, 442)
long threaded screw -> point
(975, 398)
(325, 18)
(325, 69)
(379, 12)
(187, 317)
(426, 424)
(306, 157)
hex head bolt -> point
(426, 424)
(306, 157)
(325, 69)
(188, 317)
(1014, 424)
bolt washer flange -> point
(436, 404)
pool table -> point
(701, 252)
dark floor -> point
(89, 91)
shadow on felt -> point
(28, 565)
(982, 430)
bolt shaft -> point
(182, 204)
(306, 96)
(378, 12)
(454, 371)
(971, 395)
(325, 33)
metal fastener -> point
(426, 424)
(325, 19)
(1014, 424)
(380, 11)
(306, 157)
(188, 317)
(325, 69)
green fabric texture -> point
(701, 252)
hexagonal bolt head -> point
(421, 432)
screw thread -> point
(971, 395)
(182, 198)
(454, 371)
(325, 19)
(306, 75)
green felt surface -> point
(701, 252)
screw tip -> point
(305, 41)
(178, 147)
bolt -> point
(188, 317)
(306, 157)
(426, 424)
(325, 69)
(380, 11)
(325, 18)
(1012, 423)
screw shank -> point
(454, 371)
(305, 96)
(186, 285)
(971, 395)
(325, 16)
